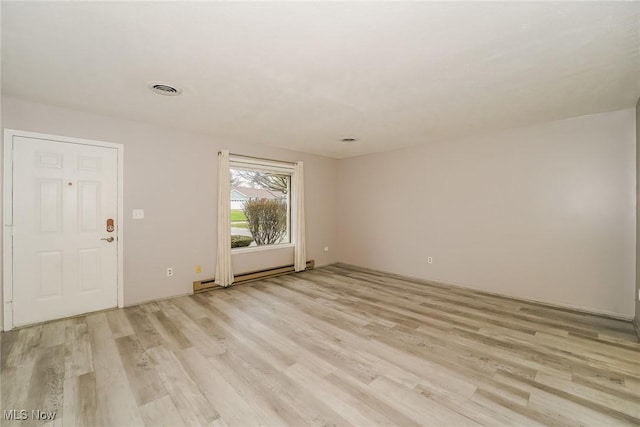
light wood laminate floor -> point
(331, 346)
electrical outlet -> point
(326, 248)
(429, 260)
(198, 269)
(169, 272)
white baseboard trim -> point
(133, 304)
(579, 309)
(576, 308)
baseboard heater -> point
(206, 285)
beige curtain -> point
(300, 260)
(224, 269)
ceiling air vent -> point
(164, 89)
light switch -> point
(138, 214)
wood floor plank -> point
(205, 345)
(15, 383)
(116, 404)
(617, 389)
(119, 323)
(630, 408)
(465, 407)
(143, 379)
(53, 333)
(23, 346)
(227, 401)
(171, 336)
(188, 305)
(143, 328)
(185, 393)
(281, 398)
(78, 351)
(261, 404)
(351, 409)
(371, 398)
(582, 409)
(238, 328)
(552, 406)
(418, 406)
(262, 372)
(337, 345)
(278, 338)
(46, 386)
(507, 409)
(365, 359)
(161, 412)
(80, 400)
(8, 341)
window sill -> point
(261, 248)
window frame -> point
(281, 168)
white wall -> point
(1, 195)
(636, 294)
(545, 213)
(171, 174)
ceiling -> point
(304, 75)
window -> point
(260, 204)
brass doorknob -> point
(108, 239)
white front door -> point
(65, 261)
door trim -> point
(7, 236)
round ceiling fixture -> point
(165, 89)
(348, 140)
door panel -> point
(88, 206)
(63, 193)
(49, 269)
(49, 207)
(89, 268)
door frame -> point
(7, 236)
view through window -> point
(260, 207)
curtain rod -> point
(259, 158)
